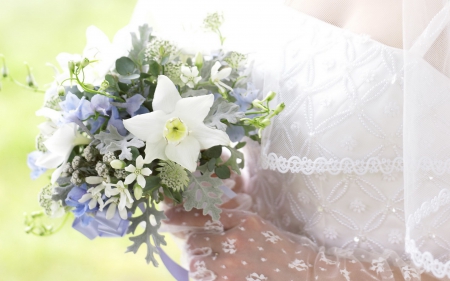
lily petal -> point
(148, 127)
(209, 137)
(185, 153)
(155, 150)
(224, 73)
(166, 95)
(202, 105)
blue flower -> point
(244, 97)
(236, 133)
(75, 109)
(101, 104)
(36, 171)
(96, 124)
(133, 105)
(117, 122)
(81, 210)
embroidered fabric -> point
(331, 173)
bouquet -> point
(135, 121)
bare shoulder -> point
(381, 19)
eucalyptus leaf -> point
(125, 66)
(236, 160)
(213, 152)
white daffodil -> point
(175, 129)
(59, 146)
(137, 172)
(94, 194)
(217, 75)
(121, 203)
(189, 75)
(100, 51)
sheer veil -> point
(425, 81)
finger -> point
(229, 218)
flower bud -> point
(117, 164)
(137, 191)
(61, 91)
(89, 86)
(5, 71)
(71, 65)
(31, 81)
(104, 85)
(265, 122)
(279, 108)
(270, 96)
(85, 62)
(257, 104)
(198, 59)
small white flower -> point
(357, 206)
(175, 129)
(94, 194)
(348, 143)
(137, 172)
(125, 199)
(189, 75)
(217, 75)
(330, 233)
(395, 237)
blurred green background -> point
(36, 31)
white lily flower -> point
(100, 51)
(59, 146)
(217, 75)
(175, 129)
(137, 172)
(94, 194)
(123, 201)
(189, 76)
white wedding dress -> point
(330, 169)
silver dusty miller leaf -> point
(220, 110)
(113, 141)
(204, 193)
(148, 209)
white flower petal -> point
(147, 126)
(97, 41)
(111, 211)
(130, 199)
(111, 192)
(201, 104)
(166, 95)
(130, 168)
(85, 197)
(130, 178)
(49, 160)
(140, 180)
(139, 162)
(194, 71)
(186, 71)
(208, 137)
(146, 172)
(215, 70)
(92, 203)
(224, 73)
(155, 150)
(123, 214)
(184, 78)
(122, 201)
(185, 153)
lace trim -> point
(432, 206)
(308, 166)
(426, 260)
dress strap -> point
(431, 32)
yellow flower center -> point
(175, 130)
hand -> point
(239, 246)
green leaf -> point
(213, 152)
(123, 87)
(135, 152)
(236, 160)
(125, 66)
(211, 164)
(112, 82)
(165, 60)
(139, 42)
(154, 68)
(240, 145)
(204, 193)
(223, 172)
(151, 183)
(150, 231)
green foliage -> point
(151, 230)
(236, 160)
(223, 110)
(125, 66)
(139, 42)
